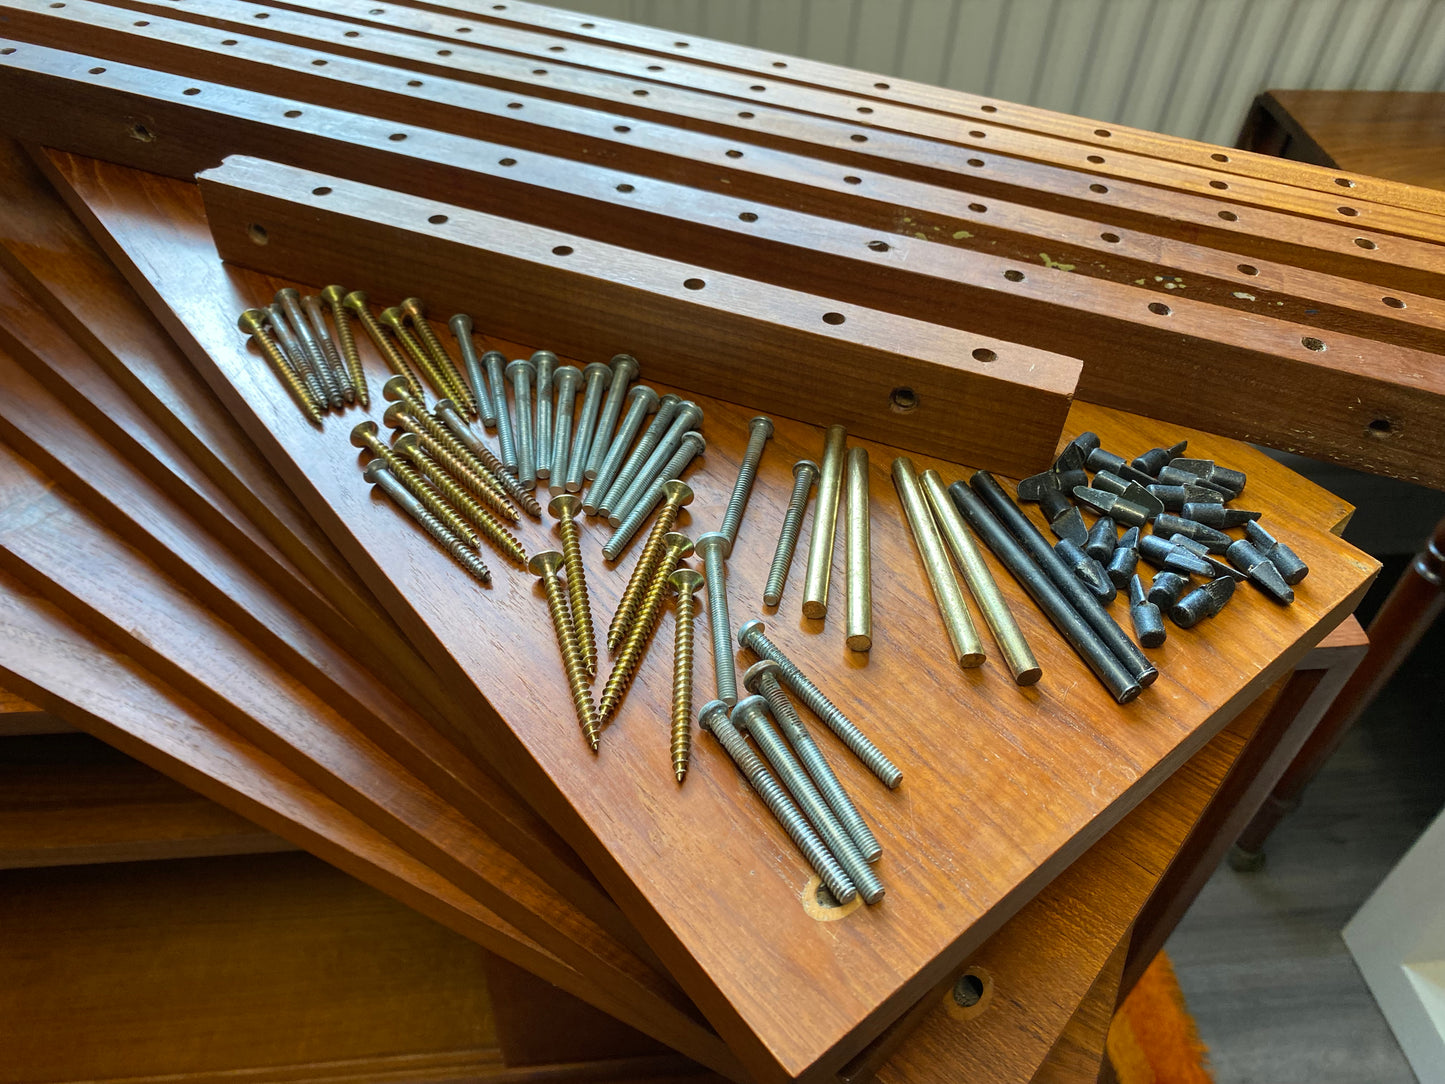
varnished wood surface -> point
(920, 831)
(1078, 1057)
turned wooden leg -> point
(1412, 607)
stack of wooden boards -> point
(198, 574)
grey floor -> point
(1275, 993)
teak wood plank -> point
(1078, 1055)
(41, 82)
(697, 898)
(876, 90)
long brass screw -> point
(299, 359)
(492, 469)
(396, 391)
(339, 372)
(625, 668)
(410, 446)
(395, 319)
(446, 366)
(290, 301)
(346, 338)
(378, 475)
(685, 581)
(676, 493)
(355, 302)
(365, 436)
(565, 507)
(253, 323)
(544, 566)
(424, 427)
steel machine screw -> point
(495, 363)
(461, 325)
(624, 371)
(290, 302)
(667, 408)
(355, 303)
(564, 507)
(691, 447)
(253, 323)
(684, 421)
(685, 581)
(491, 468)
(641, 401)
(378, 475)
(805, 473)
(346, 339)
(568, 379)
(713, 549)
(297, 357)
(446, 368)
(544, 566)
(624, 669)
(760, 428)
(520, 372)
(676, 494)
(546, 365)
(596, 377)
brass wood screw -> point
(346, 337)
(565, 507)
(444, 436)
(378, 475)
(460, 465)
(253, 323)
(544, 566)
(446, 367)
(491, 527)
(340, 373)
(298, 358)
(624, 669)
(685, 581)
(355, 303)
(365, 436)
(492, 469)
(395, 319)
(676, 494)
(289, 300)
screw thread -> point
(442, 447)
(638, 636)
(421, 489)
(577, 591)
(458, 549)
(298, 357)
(330, 389)
(393, 357)
(446, 367)
(743, 487)
(572, 662)
(642, 575)
(461, 325)
(421, 359)
(612, 461)
(638, 513)
(484, 464)
(857, 742)
(347, 338)
(788, 538)
(682, 685)
(807, 751)
(496, 378)
(522, 427)
(341, 376)
(661, 421)
(490, 527)
(282, 368)
(715, 573)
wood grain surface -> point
(623, 811)
(1078, 1055)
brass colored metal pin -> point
(860, 561)
(629, 657)
(825, 524)
(346, 339)
(446, 366)
(253, 323)
(675, 494)
(545, 566)
(685, 581)
(565, 507)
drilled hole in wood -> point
(881, 86)
(967, 990)
(1393, 302)
(989, 108)
(1247, 269)
(865, 109)
(1158, 308)
(903, 400)
(319, 63)
(499, 7)
(680, 44)
(144, 22)
(142, 133)
(256, 15)
(556, 49)
(879, 246)
(1344, 182)
(539, 71)
(852, 180)
(437, 220)
(1014, 276)
(621, 128)
(976, 163)
(464, 30)
(448, 52)
(655, 68)
(97, 71)
(779, 64)
(1099, 188)
(757, 88)
(321, 191)
(589, 26)
(639, 93)
(417, 83)
(984, 354)
(397, 137)
(1221, 185)
(293, 113)
(977, 208)
(745, 115)
(748, 216)
(694, 284)
(858, 138)
(57, 5)
(229, 41)
(1229, 216)
(977, 135)
(1309, 342)
(1365, 242)
(625, 188)
(506, 161)
(1380, 426)
(1348, 212)
(833, 318)
(514, 105)
(377, 11)
(1112, 238)
(1220, 157)
(191, 90)
(562, 250)
(352, 34)
(734, 154)
(7, 50)
(1103, 132)
(257, 233)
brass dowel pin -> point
(860, 562)
(825, 524)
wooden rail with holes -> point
(368, 86)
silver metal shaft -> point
(692, 446)
(624, 372)
(495, 363)
(760, 428)
(641, 401)
(686, 419)
(461, 325)
(667, 408)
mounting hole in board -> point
(903, 400)
(437, 220)
(1381, 427)
(1014, 276)
(694, 284)
(323, 190)
(1393, 302)
(142, 134)
(969, 995)
(984, 354)
(1158, 308)
(562, 250)
(821, 906)
(257, 233)
(879, 246)
(834, 318)
(1309, 342)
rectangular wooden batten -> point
(700, 870)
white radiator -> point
(1186, 67)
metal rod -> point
(967, 647)
(825, 524)
(860, 559)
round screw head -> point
(686, 580)
(413, 307)
(678, 491)
(595, 368)
(678, 544)
(362, 433)
(564, 506)
(753, 675)
(448, 404)
(373, 469)
(806, 465)
(545, 563)
(288, 295)
(252, 321)
(711, 713)
(393, 415)
(545, 358)
(712, 540)
(521, 363)
(624, 368)
(755, 623)
(747, 709)
(405, 443)
(760, 421)
(333, 294)
(567, 378)
(642, 391)
(461, 325)
(397, 388)
(689, 411)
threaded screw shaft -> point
(314, 312)
(544, 566)
(712, 547)
(691, 447)
(753, 637)
(805, 473)
(355, 303)
(564, 507)
(378, 474)
(642, 574)
(483, 463)
(346, 339)
(289, 301)
(490, 527)
(445, 366)
(440, 445)
(251, 322)
(461, 325)
(641, 401)
(364, 436)
(299, 358)
(760, 428)
(395, 319)
(685, 582)
(638, 636)
(667, 408)
(689, 414)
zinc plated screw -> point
(496, 362)
(624, 372)
(564, 507)
(445, 366)
(763, 678)
(713, 547)
(754, 637)
(567, 379)
(685, 420)
(624, 669)
(461, 325)
(299, 359)
(596, 377)
(751, 717)
(356, 303)
(805, 473)
(378, 475)
(641, 401)
(546, 365)
(544, 566)
(760, 428)
(484, 463)
(667, 408)
(676, 494)
(520, 373)
(317, 316)
(346, 338)
(395, 318)
(410, 446)
(252, 322)
(714, 719)
(691, 447)
(290, 301)
(685, 581)
(365, 436)
(438, 444)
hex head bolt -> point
(395, 319)
(691, 447)
(750, 716)
(713, 718)
(762, 678)
(461, 325)
(253, 323)
(378, 475)
(677, 546)
(495, 364)
(365, 436)
(667, 408)
(675, 495)
(685, 420)
(565, 507)
(641, 401)
(760, 428)
(544, 566)
(409, 445)
(483, 462)
(1148, 621)
(567, 379)
(1277, 553)
(825, 524)
(805, 473)
(545, 363)
(290, 302)
(685, 582)
(446, 366)
(316, 315)
(520, 373)
(713, 547)
(753, 636)
(356, 303)
(297, 357)
(346, 340)
(595, 378)
(624, 371)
